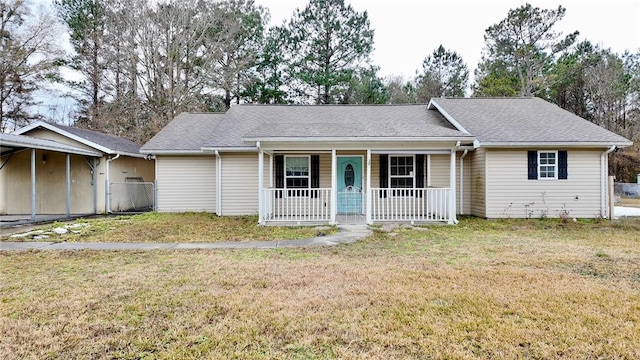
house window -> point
(297, 174)
(547, 165)
(401, 174)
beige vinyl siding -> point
(466, 177)
(325, 171)
(477, 200)
(375, 171)
(509, 192)
(186, 183)
(441, 175)
(440, 170)
(240, 183)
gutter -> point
(356, 139)
(218, 183)
(228, 149)
(107, 202)
(604, 171)
(555, 144)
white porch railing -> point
(296, 205)
(314, 205)
(415, 205)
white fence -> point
(431, 204)
(297, 205)
(131, 197)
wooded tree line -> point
(136, 64)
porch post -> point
(369, 197)
(452, 187)
(428, 170)
(270, 170)
(33, 184)
(334, 185)
(68, 168)
(260, 185)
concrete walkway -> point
(346, 234)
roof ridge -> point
(326, 105)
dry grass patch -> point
(176, 227)
(506, 289)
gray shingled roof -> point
(187, 132)
(525, 120)
(114, 143)
(12, 142)
(330, 121)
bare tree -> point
(28, 53)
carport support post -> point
(68, 185)
(33, 184)
(94, 174)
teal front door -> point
(350, 191)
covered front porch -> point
(347, 186)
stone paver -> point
(346, 234)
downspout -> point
(106, 184)
(466, 151)
(218, 183)
(603, 182)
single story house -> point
(488, 157)
(52, 169)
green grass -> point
(504, 289)
(176, 227)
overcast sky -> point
(406, 31)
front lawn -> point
(174, 227)
(538, 289)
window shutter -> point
(562, 165)
(384, 174)
(315, 174)
(419, 175)
(533, 164)
(279, 168)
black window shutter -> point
(384, 174)
(533, 164)
(315, 174)
(562, 165)
(279, 162)
(419, 174)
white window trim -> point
(286, 177)
(412, 176)
(556, 167)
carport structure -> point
(44, 160)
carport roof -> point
(109, 144)
(10, 143)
